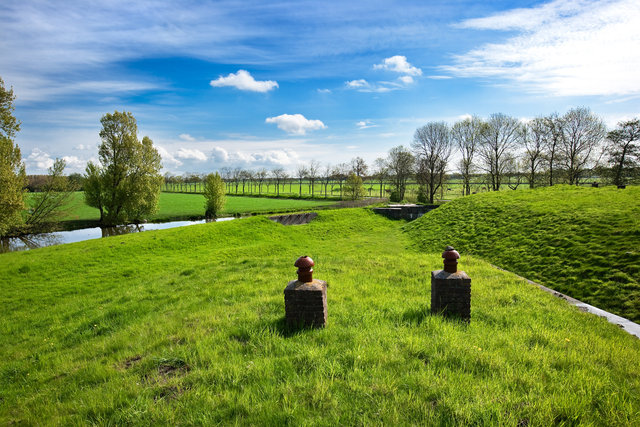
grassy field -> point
(186, 326)
(174, 206)
(584, 242)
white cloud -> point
(438, 77)
(82, 147)
(295, 124)
(406, 79)
(399, 64)
(244, 81)
(186, 137)
(168, 159)
(324, 90)
(39, 160)
(565, 48)
(191, 154)
(219, 154)
(360, 83)
(74, 163)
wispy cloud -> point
(365, 124)
(243, 80)
(564, 48)
(295, 124)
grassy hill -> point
(186, 326)
(584, 242)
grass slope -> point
(580, 241)
(183, 206)
(185, 326)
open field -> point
(174, 206)
(185, 326)
(583, 242)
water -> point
(34, 241)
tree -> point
(340, 173)
(126, 185)
(553, 136)
(260, 176)
(624, 152)
(327, 174)
(381, 173)
(467, 136)
(301, 174)
(279, 174)
(533, 138)
(48, 205)
(432, 148)
(313, 173)
(359, 166)
(214, 194)
(400, 164)
(13, 178)
(498, 142)
(353, 187)
(582, 132)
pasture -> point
(186, 326)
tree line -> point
(125, 183)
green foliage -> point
(126, 185)
(186, 326)
(12, 173)
(50, 204)
(579, 241)
(214, 194)
(353, 187)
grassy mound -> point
(185, 326)
(584, 242)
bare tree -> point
(624, 152)
(400, 163)
(327, 174)
(279, 175)
(381, 173)
(359, 166)
(245, 175)
(340, 173)
(313, 174)
(301, 174)
(432, 148)
(467, 136)
(260, 175)
(236, 175)
(553, 125)
(533, 138)
(582, 132)
(498, 142)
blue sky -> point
(266, 84)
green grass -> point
(185, 326)
(584, 242)
(173, 206)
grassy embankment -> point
(179, 206)
(584, 242)
(185, 326)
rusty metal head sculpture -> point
(451, 257)
(305, 272)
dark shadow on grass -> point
(285, 330)
(415, 316)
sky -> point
(257, 84)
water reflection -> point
(34, 241)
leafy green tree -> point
(126, 185)
(353, 187)
(214, 194)
(13, 178)
(400, 166)
(48, 205)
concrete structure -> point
(408, 212)
(451, 288)
(305, 299)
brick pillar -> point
(451, 288)
(305, 299)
